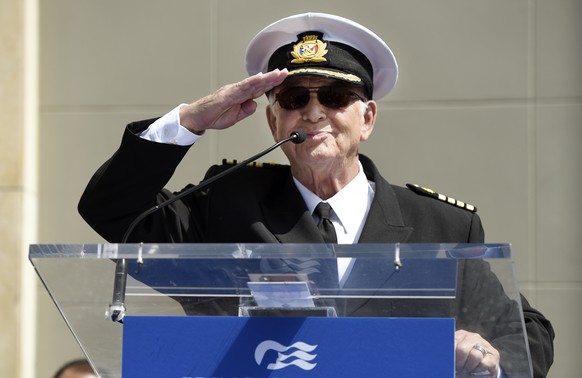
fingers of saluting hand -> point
(475, 356)
(229, 104)
(256, 85)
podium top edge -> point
(264, 250)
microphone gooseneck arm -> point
(116, 311)
(296, 137)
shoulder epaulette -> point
(255, 164)
(441, 197)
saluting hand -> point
(229, 104)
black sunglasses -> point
(333, 97)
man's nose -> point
(313, 111)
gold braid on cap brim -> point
(339, 75)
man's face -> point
(332, 133)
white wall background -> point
(488, 109)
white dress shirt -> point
(168, 129)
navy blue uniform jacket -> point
(262, 205)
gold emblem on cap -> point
(310, 49)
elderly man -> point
(322, 75)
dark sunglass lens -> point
(293, 98)
(334, 97)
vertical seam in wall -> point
(29, 223)
(532, 252)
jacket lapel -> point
(287, 217)
(384, 223)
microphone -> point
(116, 310)
(298, 135)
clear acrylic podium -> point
(473, 284)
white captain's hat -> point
(326, 45)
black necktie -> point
(325, 226)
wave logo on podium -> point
(298, 354)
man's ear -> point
(271, 120)
(369, 120)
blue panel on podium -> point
(209, 347)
